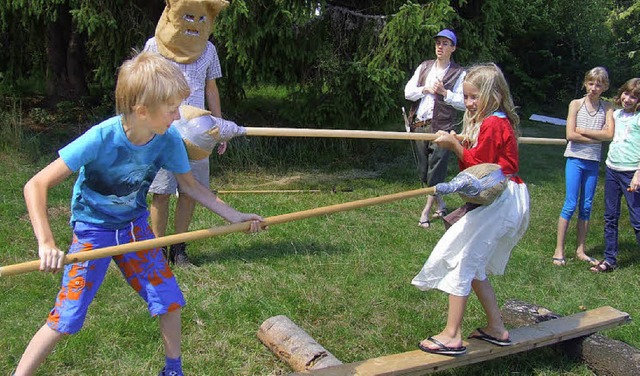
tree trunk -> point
(65, 58)
(76, 65)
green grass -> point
(343, 278)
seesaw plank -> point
(525, 338)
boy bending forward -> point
(116, 161)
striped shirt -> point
(584, 119)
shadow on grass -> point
(265, 251)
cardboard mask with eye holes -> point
(184, 28)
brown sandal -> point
(603, 267)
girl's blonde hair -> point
(632, 87)
(148, 79)
(598, 74)
(494, 95)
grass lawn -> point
(343, 278)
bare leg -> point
(487, 297)
(451, 336)
(583, 228)
(159, 214)
(41, 345)
(171, 331)
(424, 217)
(441, 204)
(558, 255)
(184, 212)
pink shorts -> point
(146, 271)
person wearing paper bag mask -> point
(182, 37)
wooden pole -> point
(34, 265)
(270, 191)
(333, 190)
(345, 133)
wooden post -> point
(603, 355)
(294, 346)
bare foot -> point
(424, 223)
(584, 257)
(558, 258)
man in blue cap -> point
(436, 92)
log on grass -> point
(294, 346)
(605, 356)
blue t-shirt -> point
(114, 174)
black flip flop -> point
(483, 336)
(442, 349)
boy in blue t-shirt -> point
(116, 162)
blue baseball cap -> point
(446, 33)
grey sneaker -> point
(178, 255)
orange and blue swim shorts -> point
(146, 271)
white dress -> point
(480, 243)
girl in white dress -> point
(480, 239)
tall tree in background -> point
(550, 46)
(344, 61)
(83, 41)
(625, 24)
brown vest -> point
(444, 115)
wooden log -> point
(605, 356)
(524, 338)
(294, 346)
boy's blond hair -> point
(148, 79)
(631, 87)
(494, 95)
(598, 74)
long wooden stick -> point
(346, 133)
(334, 190)
(271, 191)
(34, 265)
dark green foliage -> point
(550, 46)
(625, 25)
(344, 62)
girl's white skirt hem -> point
(480, 243)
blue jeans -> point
(581, 179)
(615, 186)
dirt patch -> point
(55, 212)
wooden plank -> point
(525, 338)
